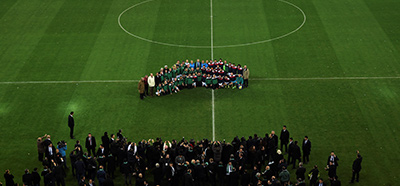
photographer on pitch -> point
(62, 147)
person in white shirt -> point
(152, 84)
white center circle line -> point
(217, 46)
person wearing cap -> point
(306, 149)
(284, 137)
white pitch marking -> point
(212, 58)
(68, 82)
(251, 79)
(221, 46)
(322, 78)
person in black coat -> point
(356, 168)
(71, 125)
(27, 178)
(306, 149)
(80, 169)
(101, 156)
(111, 165)
(290, 150)
(158, 174)
(171, 174)
(9, 178)
(36, 177)
(296, 154)
(284, 138)
(106, 142)
(333, 158)
(90, 144)
(300, 172)
(245, 181)
(127, 171)
(50, 152)
(59, 174)
(234, 178)
(313, 175)
(188, 180)
(49, 179)
(331, 171)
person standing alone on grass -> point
(141, 88)
(356, 168)
(71, 125)
(246, 74)
(306, 149)
(152, 84)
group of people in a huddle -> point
(215, 74)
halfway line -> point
(69, 82)
(212, 58)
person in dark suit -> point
(36, 177)
(290, 150)
(320, 182)
(80, 169)
(333, 158)
(331, 171)
(27, 178)
(300, 172)
(306, 149)
(313, 175)
(158, 174)
(171, 174)
(284, 138)
(71, 125)
(356, 168)
(106, 142)
(50, 152)
(188, 181)
(101, 175)
(296, 154)
(59, 174)
(101, 155)
(90, 144)
(9, 178)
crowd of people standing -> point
(256, 160)
(215, 74)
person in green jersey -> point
(199, 79)
(189, 81)
(214, 80)
(208, 81)
(166, 88)
(174, 72)
(181, 82)
(160, 90)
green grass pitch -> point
(302, 80)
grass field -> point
(336, 78)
